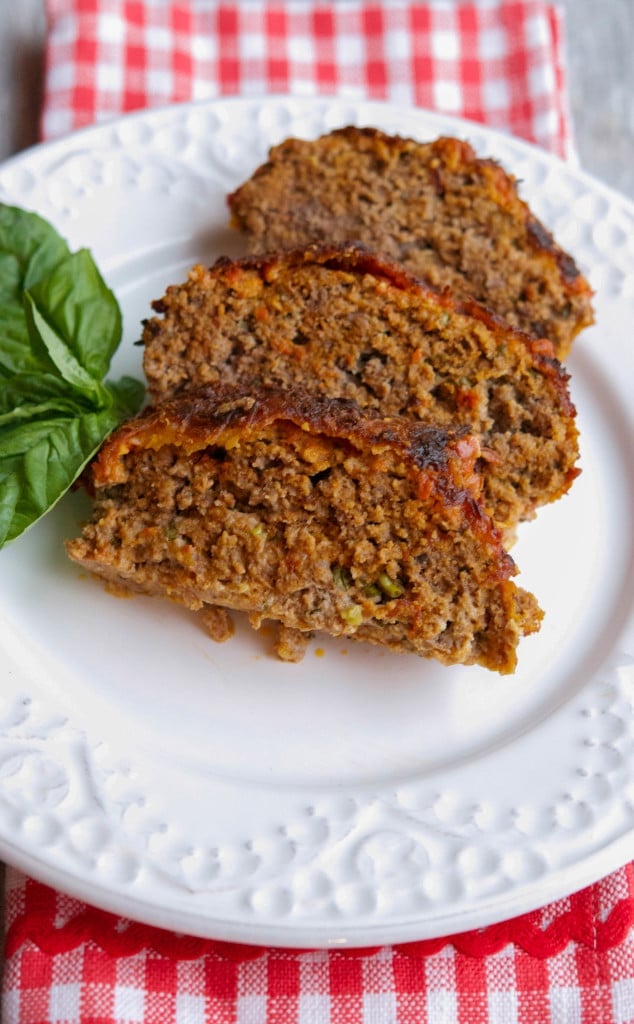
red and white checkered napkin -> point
(570, 963)
(495, 61)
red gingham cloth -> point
(570, 963)
(495, 61)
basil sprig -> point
(60, 325)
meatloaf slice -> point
(344, 323)
(435, 207)
(310, 512)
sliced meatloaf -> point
(346, 324)
(312, 513)
(445, 214)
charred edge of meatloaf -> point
(459, 155)
(324, 316)
(356, 258)
(456, 155)
(310, 513)
(552, 299)
(219, 414)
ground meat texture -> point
(347, 324)
(443, 213)
(291, 643)
(309, 512)
(217, 623)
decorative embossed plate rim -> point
(141, 768)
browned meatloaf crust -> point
(310, 512)
(346, 324)
(435, 207)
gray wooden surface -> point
(600, 54)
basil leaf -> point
(26, 388)
(33, 411)
(59, 328)
(127, 396)
(30, 249)
(15, 350)
(16, 355)
(39, 462)
(82, 310)
(68, 286)
(17, 440)
(31, 243)
(51, 349)
(9, 496)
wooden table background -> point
(600, 55)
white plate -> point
(360, 797)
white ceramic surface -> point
(359, 797)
